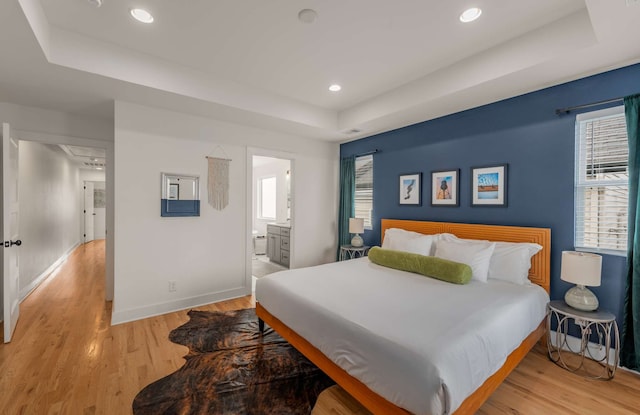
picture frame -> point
(410, 189)
(174, 191)
(489, 185)
(445, 188)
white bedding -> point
(421, 343)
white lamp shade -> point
(356, 225)
(581, 268)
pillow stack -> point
(407, 241)
(504, 261)
(430, 266)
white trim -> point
(24, 293)
(616, 252)
(133, 314)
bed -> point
(368, 327)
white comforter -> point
(421, 343)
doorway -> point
(271, 215)
(95, 210)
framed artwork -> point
(410, 189)
(445, 190)
(174, 191)
(489, 186)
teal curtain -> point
(630, 351)
(347, 196)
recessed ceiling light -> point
(307, 15)
(335, 88)
(98, 168)
(470, 15)
(142, 15)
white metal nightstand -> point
(603, 323)
(350, 251)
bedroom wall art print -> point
(444, 188)
(411, 189)
(489, 186)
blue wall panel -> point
(524, 132)
(179, 208)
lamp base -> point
(581, 298)
(356, 241)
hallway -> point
(65, 358)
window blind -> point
(602, 157)
(364, 189)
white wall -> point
(276, 168)
(208, 255)
(37, 124)
(87, 175)
(48, 193)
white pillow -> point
(476, 254)
(511, 261)
(407, 241)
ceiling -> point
(86, 157)
(254, 62)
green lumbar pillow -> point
(430, 266)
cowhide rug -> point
(232, 370)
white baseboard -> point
(24, 293)
(125, 316)
(596, 350)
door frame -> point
(10, 255)
(84, 211)
(46, 138)
(256, 151)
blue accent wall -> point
(524, 132)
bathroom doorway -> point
(271, 225)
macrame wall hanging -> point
(218, 182)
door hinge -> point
(84, 211)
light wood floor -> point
(65, 358)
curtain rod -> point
(567, 110)
(366, 153)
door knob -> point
(8, 244)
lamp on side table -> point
(582, 269)
(356, 226)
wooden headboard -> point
(540, 263)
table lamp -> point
(582, 269)
(356, 226)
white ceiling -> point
(86, 157)
(254, 62)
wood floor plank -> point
(66, 358)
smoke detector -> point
(96, 3)
(353, 131)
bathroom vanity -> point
(278, 243)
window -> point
(602, 156)
(267, 198)
(364, 189)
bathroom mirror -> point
(180, 195)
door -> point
(11, 291)
(88, 212)
(99, 210)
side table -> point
(601, 322)
(350, 251)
